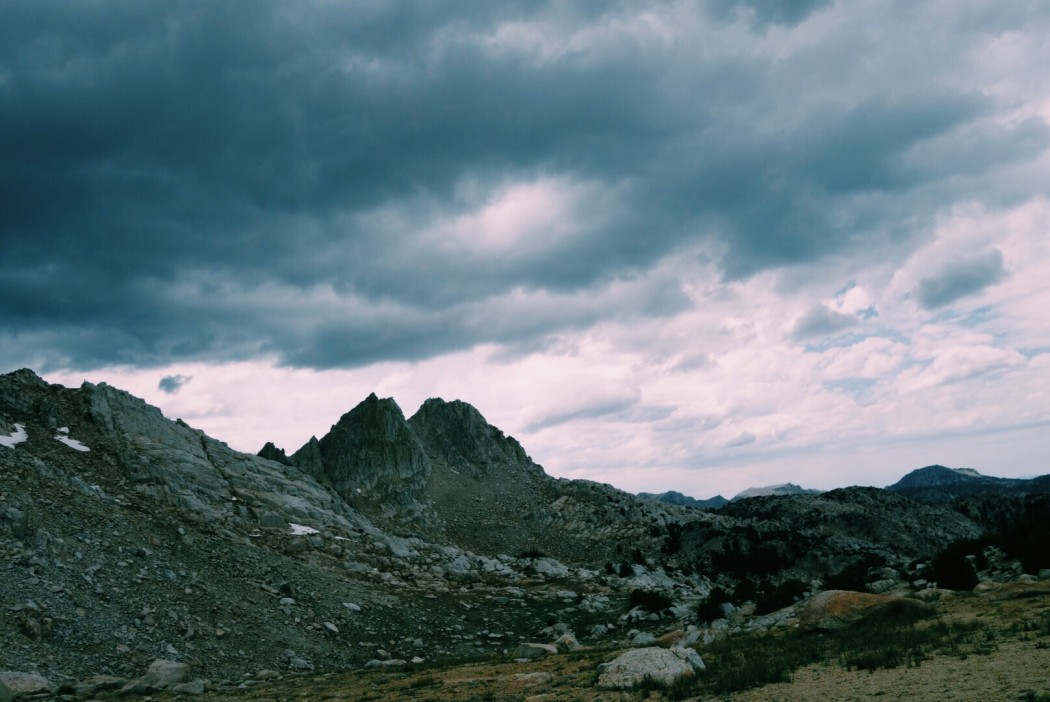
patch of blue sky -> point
(852, 338)
(970, 319)
(1034, 351)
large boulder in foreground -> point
(14, 684)
(663, 665)
(161, 674)
(833, 609)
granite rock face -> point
(450, 476)
(371, 457)
(662, 665)
(835, 609)
(456, 434)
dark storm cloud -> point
(411, 334)
(238, 148)
(961, 279)
(171, 384)
(763, 12)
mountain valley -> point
(391, 545)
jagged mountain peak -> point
(379, 413)
(436, 411)
(459, 437)
(370, 455)
(272, 453)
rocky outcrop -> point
(834, 609)
(15, 684)
(210, 481)
(663, 666)
(820, 536)
(371, 457)
(457, 436)
(162, 674)
(449, 475)
(271, 453)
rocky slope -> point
(127, 537)
(871, 534)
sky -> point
(694, 246)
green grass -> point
(904, 638)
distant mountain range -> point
(717, 502)
(782, 489)
(940, 484)
(676, 498)
(930, 484)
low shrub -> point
(953, 570)
(648, 600)
(532, 553)
(710, 608)
(784, 594)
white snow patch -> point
(71, 443)
(63, 430)
(18, 437)
(302, 530)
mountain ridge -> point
(125, 535)
(674, 497)
(937, 483)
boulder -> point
(98, 683)
(880, 586)
(388, 663)
(193, 687)
(531, 679)
(662, 665)
(567, 642)
(15, 683)
(161, 674)
(931, 594)
(532, 651)
(272, 520)
(833, 609)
